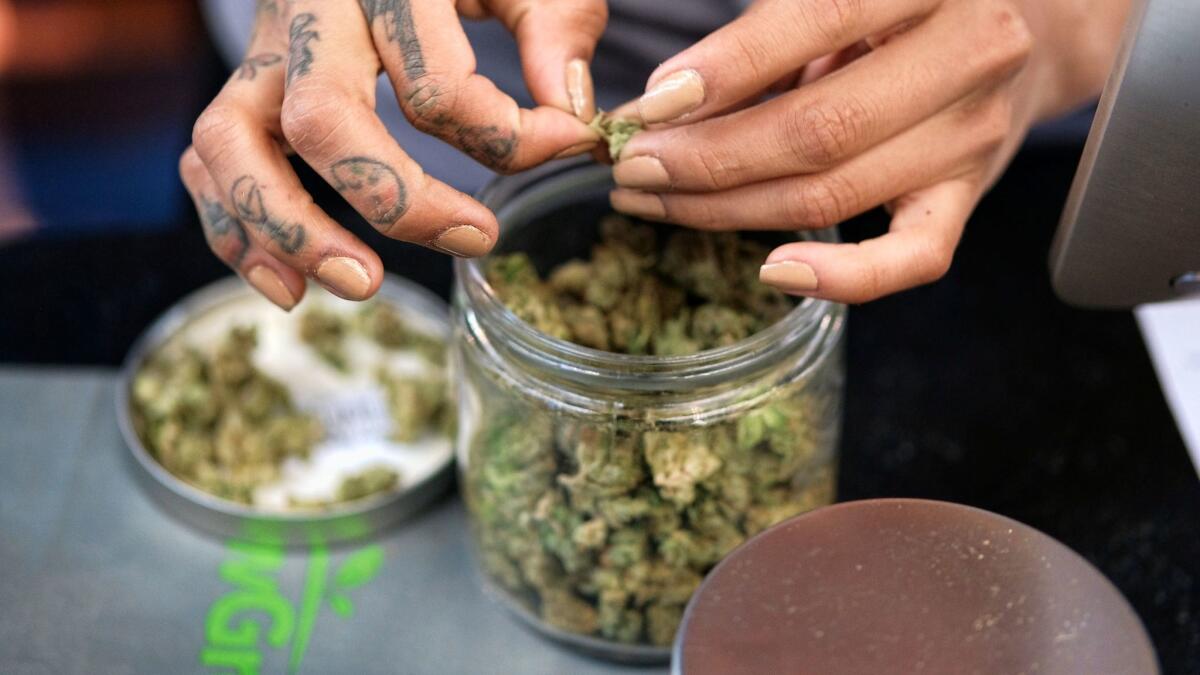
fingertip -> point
(547, 133)
(348, 278)
(556, 41)
(794, 277)
(463, 241)
(270, 284)
(581, 92)
(673, 97)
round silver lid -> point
(909, 586)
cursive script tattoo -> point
(398, 18)
(219, 223)
(300, 57)
(423, 97)
(488, 144)
(247, 199)
(373, 187)
(249, 68)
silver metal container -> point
(230, 519)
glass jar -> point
(601, 487)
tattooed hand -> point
(308, 85)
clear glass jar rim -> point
(812, 322)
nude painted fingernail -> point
(789, 276)
(635, 203)
(672, 97)
(646, 173)
(576, 149)
(345, 277)
(266, 281)
(580, 90)
(464, 241)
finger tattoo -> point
(220, 223)
(247, 200)
(488, 144)
(375, 183)
(249, 68)
(400, 29)
(300, 56)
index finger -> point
(770, 40)
(432, 67)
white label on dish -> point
(350, 405)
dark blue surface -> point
(107, 184)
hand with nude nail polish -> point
(800, 114)
(307, 85)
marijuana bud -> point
(614, 132)
(641, 294)
(218, 423)
(325, 332)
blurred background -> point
(981, 389)
(97, 99)
(97, 236)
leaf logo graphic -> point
(233, 628)
(357, 569)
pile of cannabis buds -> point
(605, 525)
(699, 291)
(225, 427)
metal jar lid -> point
(341, 522)
(905, 586)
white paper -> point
(1172, 334)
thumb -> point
(556, 40)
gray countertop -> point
(95, 579)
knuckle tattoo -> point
(372, 186)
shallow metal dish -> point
(230, 519)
